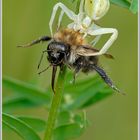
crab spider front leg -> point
(95, 40)
(67, 11)
(81, 8)
(60, 19)
(102, 31)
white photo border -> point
(138, 70)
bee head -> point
(57, 52)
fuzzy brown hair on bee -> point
(69, 36)
(67, 47)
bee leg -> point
(74, 77)
(43, 38)
(78, 67)
(41, 58)
(53, 77)
(104, 76)
(44, 70)
(76, 71)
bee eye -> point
(55, 57)
(55, 54)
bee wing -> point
(86, 50)
(89, 51)
(109, 56)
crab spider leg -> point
(81, 9)
(107, 45)
(96, 39)
(60, 19)
(79, 16)
(67, 11)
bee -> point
(68, 47)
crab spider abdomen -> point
(96, 9)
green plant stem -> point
(55, 104)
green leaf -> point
(27, 90)
(70, 125)
(134, 6)
(68, 117)
(12, 103)
(98, 97)
(121, 3)
(68, 132)
(36, 123)
(80, 85)
(85, 93)
(18, 126)
(81, 119)
(5, 127)
(64, 117)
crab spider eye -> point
(96, 9)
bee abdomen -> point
(85, 63)
(90, 61)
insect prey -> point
(68, 47)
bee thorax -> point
(72, 58)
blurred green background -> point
(114, 118)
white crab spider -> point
(89, 11)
